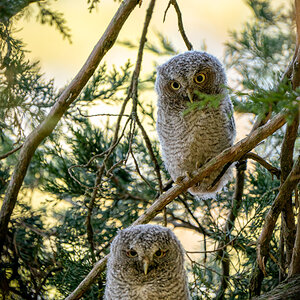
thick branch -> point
(289, 289)
(272, 216)
(286, 162)
(295, 263)
(66, 98)
(232, 154)
(228, 155)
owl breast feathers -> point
(146, 263)
(189, 140)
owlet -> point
(146, 263)
(189, 140)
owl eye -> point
(175, 85)
(159, 253)
(131, 253)
(199, 78)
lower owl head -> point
(144, 251)
(184, 76)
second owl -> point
(190, 140)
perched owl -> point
(189, 140)
(146, 263)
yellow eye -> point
(131, 253)
(159, 253)
(199, 78)
(175, 85)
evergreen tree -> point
(106, 176)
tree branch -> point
(60, 107)
(273, 170)
(232, 154)
(10, 152)
(272, 216)
(288, 226)
(295, 263)
(180, 25)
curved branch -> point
(234, 153)
(180, 25)
(273, 170)
(60, 107)
(272, 216)
(10, 152)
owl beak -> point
(145, 265)
(190, 95)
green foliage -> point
(207, 101)
(52, 246)
(48, 16)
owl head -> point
(143, 252)
(184, 76)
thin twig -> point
(273, 170)
(180, 23)
(139, 172)
(101, 115)
(10, 152)
(272, 216)
(152, 155)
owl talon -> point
(188, 174)
(198, 165)
(179, 180)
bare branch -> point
(288, 226)
(180, 23)
(10, 152)
(295, 263)
(272, 216)
(100, 115)
(151, 153)
(273, 170)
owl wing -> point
(229, 112)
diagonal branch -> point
(232, 154)
(272, 216)
(60, 107)
(228, 155)
(273, 170)
(180, 23)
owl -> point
(189, 140)
(146, 263)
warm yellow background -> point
(206, 21)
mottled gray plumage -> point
(189, 141)
(146, 263)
